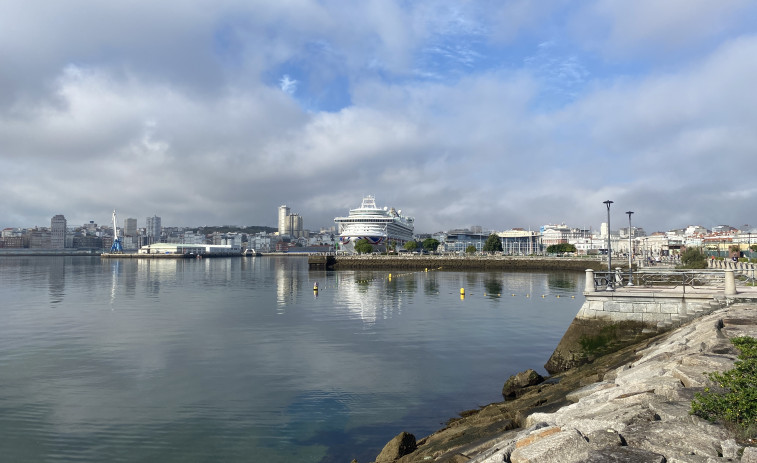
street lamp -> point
(630, 251)
(609, 250)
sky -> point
(501, 113)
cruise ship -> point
(379, 226)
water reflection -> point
(564, 281)
(493, 286)
(56, 279)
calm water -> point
(238, 360)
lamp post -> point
(609, 250)
(630, 251)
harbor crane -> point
(117, 246)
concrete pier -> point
(610, 320)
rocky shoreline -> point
(628, 406)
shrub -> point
(693, 258)
(734, 399)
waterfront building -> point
(290, 224)
(130, 227)
(153, 229)
(39, 238)
(554, 234)
(458, 240)
(58, 232)
(196, 249)
(520, 242)
(283, 213)
(190, 237)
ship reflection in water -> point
(230, 357)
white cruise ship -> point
(379, 226)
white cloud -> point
(193, 118)
(287, 84)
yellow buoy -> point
(462, 291)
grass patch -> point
(733, 399)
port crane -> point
(117, 246)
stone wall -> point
(608, 321)
(466, 263)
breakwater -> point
(421, 262)
(623, 379)
(630, 405)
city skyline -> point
(501, 114)
(151, 225)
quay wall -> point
(48, 252)
(607, 322)
(466, 263)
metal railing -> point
(669, 278)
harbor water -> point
(240, 360)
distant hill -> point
(250, 230)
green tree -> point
(493, 244)
(363, 247)
(411, 246)
(560, 248)
(753, 248)
(430, 244)
(693, 257)
(471, 249)
(392, 246)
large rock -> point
(401, 445)
(677, 437)
(551, 446)
(624, 455)
(514, 385)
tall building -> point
(153, 229)
(290, 224)
(58, 232)
(294, 225)
(130, 227)
(283, 213)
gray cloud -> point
(181, 113)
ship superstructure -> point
(380, 226)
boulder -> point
(558, 447)
(750, 455)
(514, 385)
(624, 455)
(401, 445)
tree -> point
(471, 249)
(430, 244)
(693, 258)
(363, 247)
(392, 246)
(493, 244)
(560, 248)
(411, 246)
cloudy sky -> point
(496, 113)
